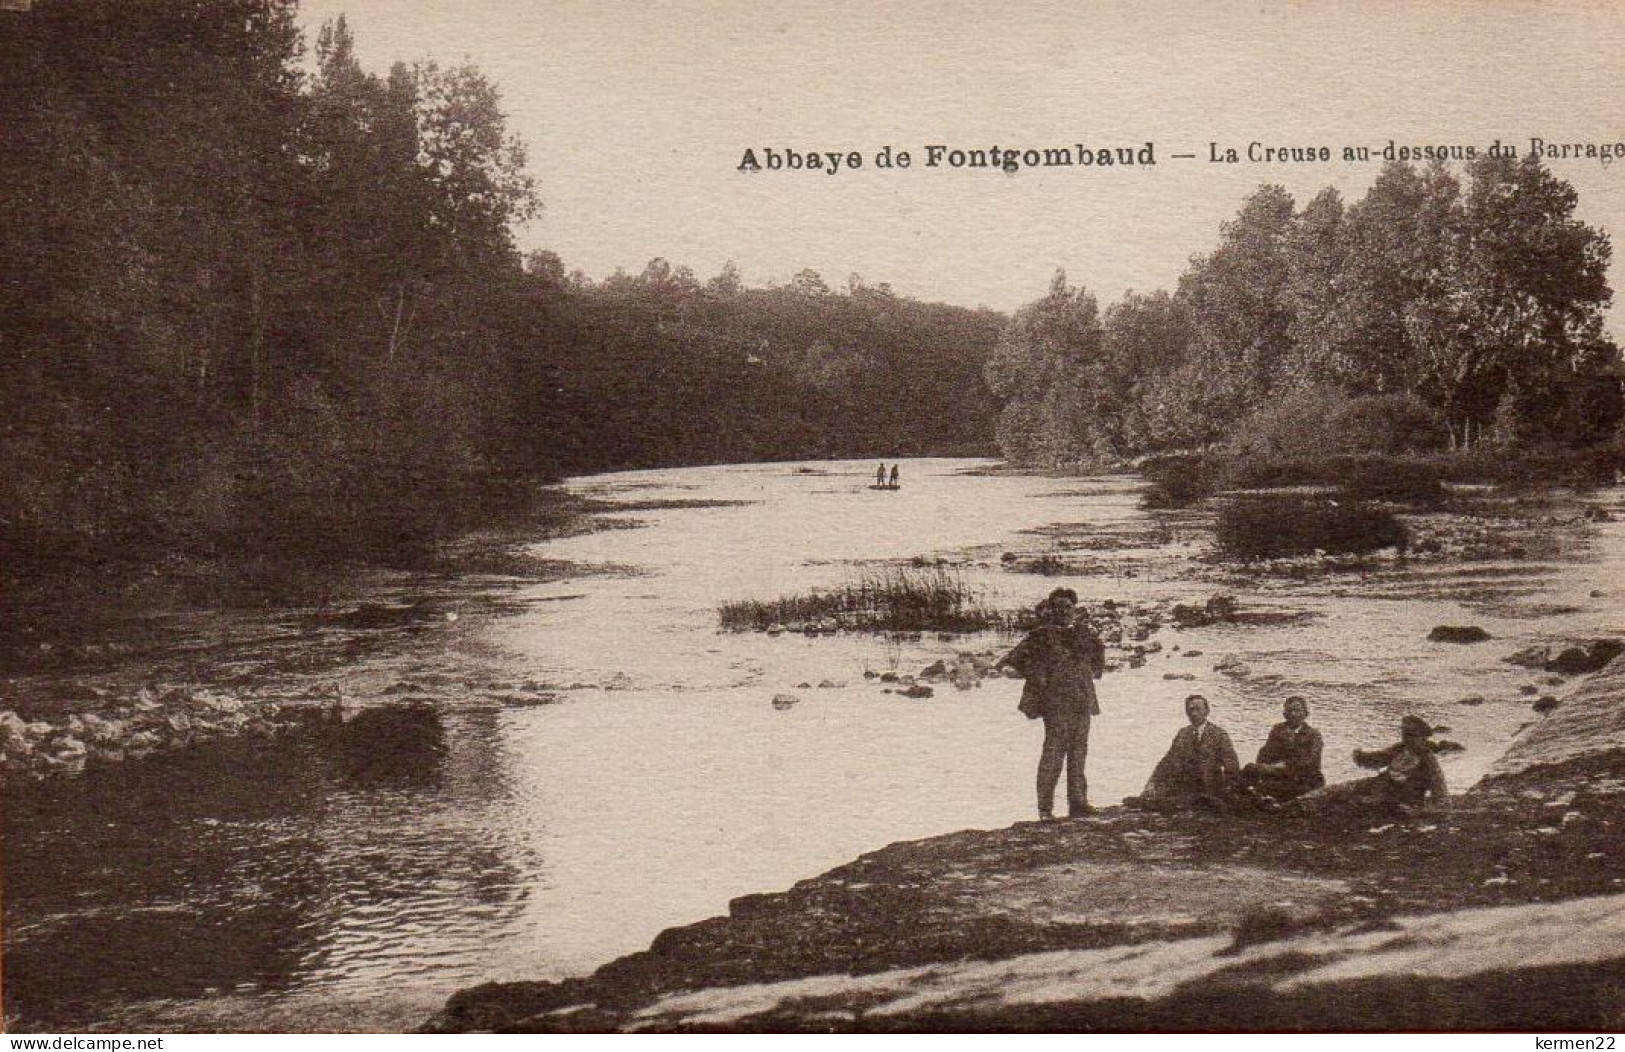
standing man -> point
(1200, 769)
(1289, 763)
(880, 475)
(1060, 660)
(894, 483)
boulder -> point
(1457, 634)
(1576, 661)
(785, 701)
(13, 731)
(918, 690)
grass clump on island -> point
(904, 599)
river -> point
(554, 771)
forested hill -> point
(255, 300)
(661, 369)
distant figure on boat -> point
(894, 483)
(880, 475)
(1409, 779)
(1200, 769)
(1289, 763)
(1060, 660)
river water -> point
(546, 774)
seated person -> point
(1409, 777)
(1289, 763)
(1200, 770)
(1410, 774)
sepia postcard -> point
(820, 517)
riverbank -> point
(1504, 912)
(135, 660)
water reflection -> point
(246, 869)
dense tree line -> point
(255, 304)
(1474, 304)
(667, 369)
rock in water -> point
(785, 701)
(918, 690)
(1185, 616)
(1531, 657)
(1576, 661)
(1458, 634)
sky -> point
(637, 115)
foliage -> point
(1585, 468)
(1280, 526)
(1178, 481)
(249, 309)
(1328, 422)
(900, 600)
(1041, 367)
(1357, 478)
(1441, 310)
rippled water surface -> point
(545, 775)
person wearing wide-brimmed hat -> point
(1408, 776)
(1060, 660)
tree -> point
(1530, 288)
(809, 283)
(1147, 339)
(1322, 329)
(477, 169)
(1040, 369)
(1236, 296)
(727, 282)
(1402, 239)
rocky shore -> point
(150, 722)
(1504, 912)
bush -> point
(1595, 466)
(1395, 479)
(1325, 422)
(1177, 481)
(1392, 480)
(1278, 526)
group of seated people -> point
(1201, 769)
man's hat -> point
(1415, 725)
